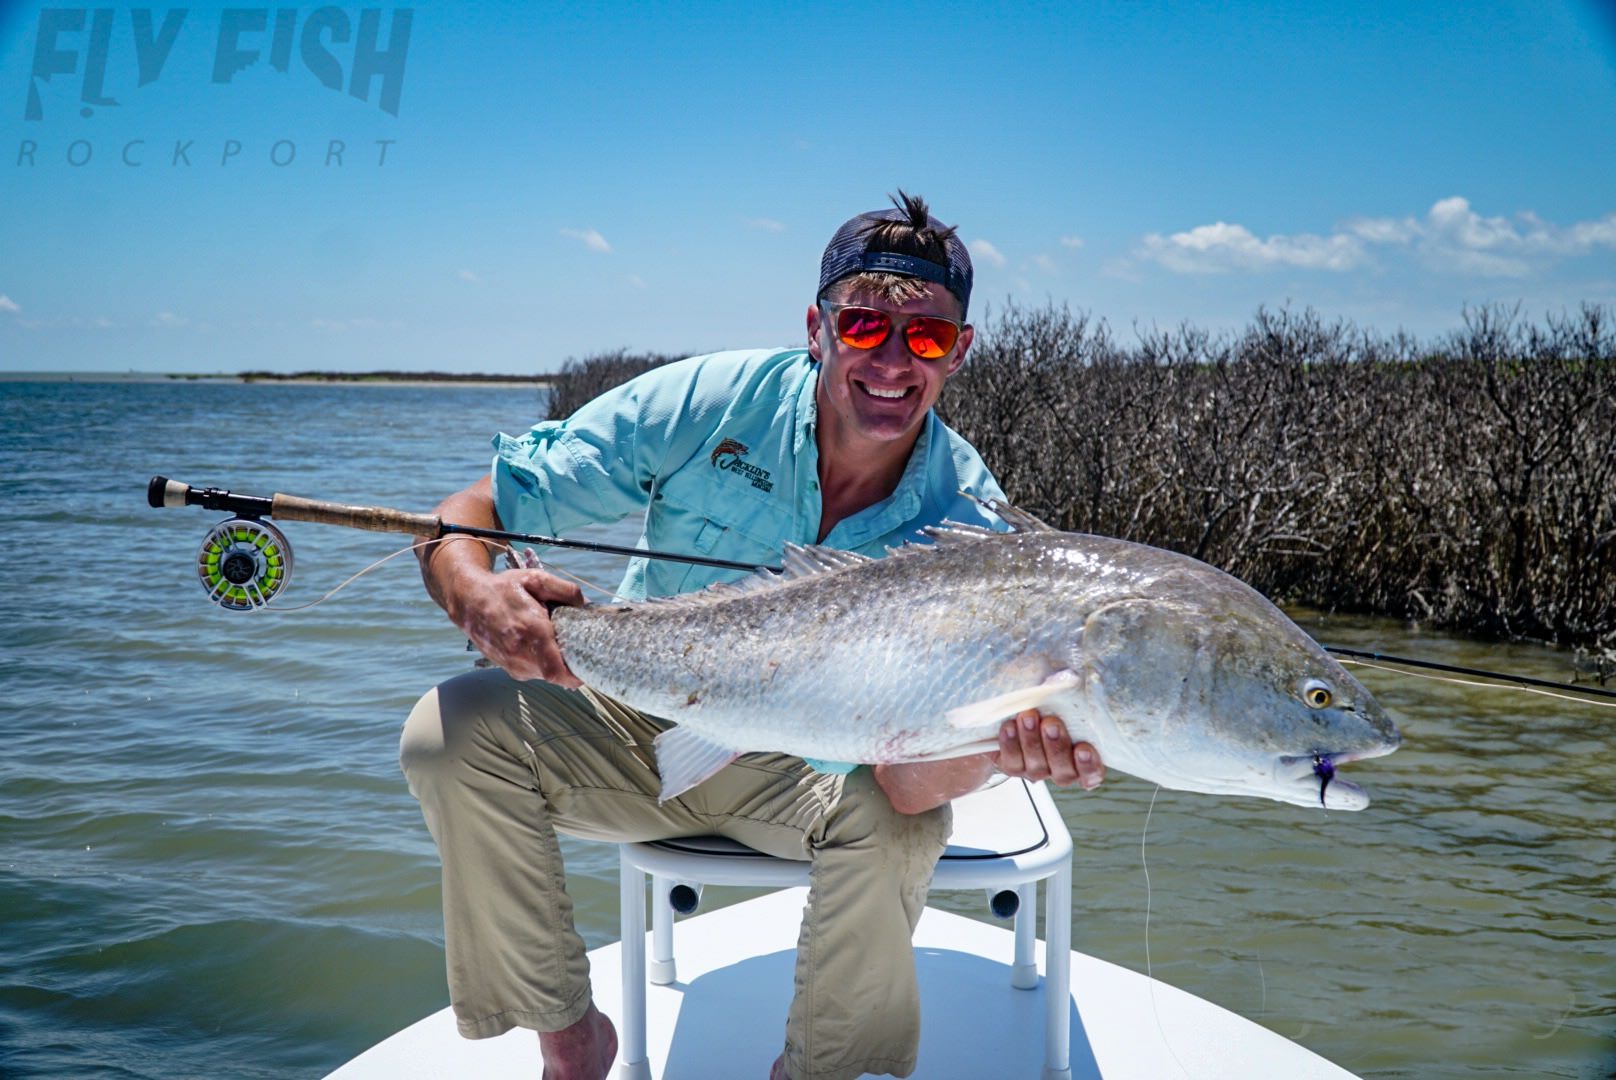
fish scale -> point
(1174, 670)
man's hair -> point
(917, 236)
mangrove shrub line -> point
(1467, 482)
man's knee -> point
(438, 732)
(865, 813)
(422, 744)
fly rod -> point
(1523, 680)
(245, 562)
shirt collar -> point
(807, 411)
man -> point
(729, 455)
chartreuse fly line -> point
(244, 564)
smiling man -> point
(731, 456)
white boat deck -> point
(725, 1016)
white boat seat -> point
(1006, 839)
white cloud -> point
(1044, 263)
(766, 224)
(635, 280)
(1382, 230)
(8, 304)
(1220, 247)
(168, 318)
(986, 252)
(1450, 237)
(1071, 241)
(468, 275)
(1587, 235)
(590, 239)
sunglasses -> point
(930, 337)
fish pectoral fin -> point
(685, 758)
(994, 709)
(981, 746)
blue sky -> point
(562, 180)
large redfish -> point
(1177, 673)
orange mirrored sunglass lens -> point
(862, 328)
(927, 336)
(930, 338)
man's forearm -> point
(919, 786)
(453, 557)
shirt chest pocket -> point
(718, 516)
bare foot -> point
(583, 1051)
(777, 1071)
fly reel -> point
(244, 563)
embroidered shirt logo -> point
(727, 458)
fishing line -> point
(1486, 685)
(528, 559)
(1521, 681)
(1571, 1007)
(1150, 979)
(513, 562)
(353, 577)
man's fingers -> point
(545, 586)
(1039, 747)
(512, 624)
(1090, 769)
(1031, 740)
(553, 667)
(1009, 755)
(1057, 747)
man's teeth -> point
(876, 392)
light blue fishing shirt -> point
(719, 453)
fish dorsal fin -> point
(953, 532)
(756, 581)
(1017, 518)
(798, 562)
(950, 534)
(801, 562)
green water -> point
(210, 866)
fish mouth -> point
(1313, 779)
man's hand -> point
(505, 615)
(1031, 745)
(1037, 747)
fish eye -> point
(1317, 694)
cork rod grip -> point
(371, 518)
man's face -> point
(881, 394)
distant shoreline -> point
(298, 378)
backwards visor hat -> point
(849, 252)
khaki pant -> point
(499, 765)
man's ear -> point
(814, 346)
(967, 335)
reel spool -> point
(244, 563)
